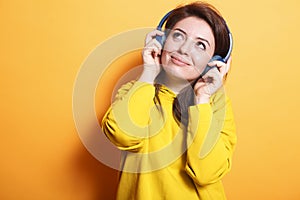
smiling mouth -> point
(178, 61)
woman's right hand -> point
(151, 56)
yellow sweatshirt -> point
(162, 161)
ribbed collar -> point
(166, 93)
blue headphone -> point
(161, 40)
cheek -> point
(171, 46)
(200, 61)
(168, 48)
(163, 57)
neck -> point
(175, 84)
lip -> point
(178, 60)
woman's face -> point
(188, 48)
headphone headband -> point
(164, 19)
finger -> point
(224, 70)
(222, 67)
(201, 87)
(213, 78)
(153, 42)
(216, 63)
(199, 84)
(152, 35)
(213, 72)
(155, 45)
(229, 61)
(153, 48)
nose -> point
(185, 47)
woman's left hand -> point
(211, 81)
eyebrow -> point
(178, 29)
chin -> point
(180, 74)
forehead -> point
(196, 27)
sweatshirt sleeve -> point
(126, 121)
(211, 140)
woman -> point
(175, 124)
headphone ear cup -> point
(207, 68)
(216, 57)
(161, 39)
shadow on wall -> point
(95, 180)
(98, 179)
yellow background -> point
(43, 44)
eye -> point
(177, 36)
(201, 45)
